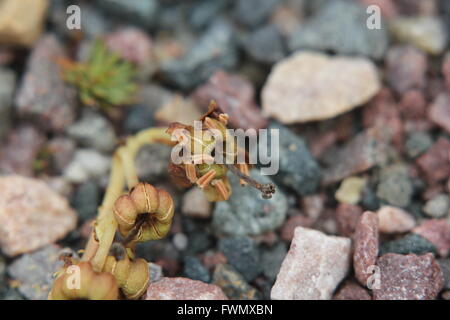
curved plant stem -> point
(123, 172)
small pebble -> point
(394, 220)
(314, 266)
(350, 190)
(438, 206)
(365, 246)
(233, 284)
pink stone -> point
(352, 291)
(314, 266)
(235, 96)
(131, 44)
(435, 163)
(183, 289)
(437, 231)
(365, 246)
(383, 113)
(439, 112)
(31, 215)
(413, 105)
(408, 277)
(406, 67)
(365, 150)
(43, 94)
(394, 220)
(20, 150)
(347, 216)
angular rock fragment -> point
(408, 277)
(314, 266)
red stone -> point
(435, 163)
(406, 68)
(383, 113)
(437, 231)
(408, 277)
(288, 228)
(446, 70)
(347, 216)
(413, 105)
(352, 291)
(235, 96)
(366, 246)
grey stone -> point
(143, 12)
(7, 86)
(93, 131)
(86, 200)
(203, 13)
(251, 13)
(3, 285)
(265, 45)
(411, 243)
(139, 117)
(246, 213)
(417, 143)
(243, 255)
(152, 161)
(193, 269)
(297, 167)
(215, 49)
(395, 186)
(34, 271)
(86, 164)
(271, 260)
(198, 242)
(438, 206)
(340, 26)
(445, 267)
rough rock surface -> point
(309, 86)
(366, 246)
(34, 272)
(31, 215)
(43, 95)
(439, 112)
(314, 266)
(359, 154)
(183, 289)
(408, 277)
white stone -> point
(394, 220)
(311, 86)
(314, 266)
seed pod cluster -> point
(81, 282)
(144, 214)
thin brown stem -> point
(266, 189)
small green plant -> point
(104, 80)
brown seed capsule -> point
(145, 214)
(132, 276)
(81, 282)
